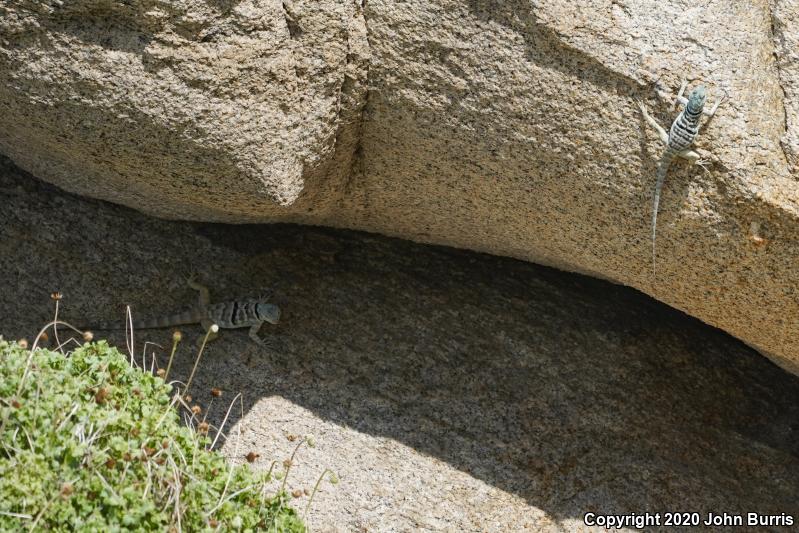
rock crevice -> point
(495, 126)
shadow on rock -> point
(572, 393)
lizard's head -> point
(268, 312)
(697, 100)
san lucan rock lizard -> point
(242, 313)
(678, 141)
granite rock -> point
(505, 127)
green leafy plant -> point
(90, 443)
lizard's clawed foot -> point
(274, 344)
(704, 164)
(717, 104)
(266, 293)
(680, 98)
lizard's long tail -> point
(179, 319)
(663, 167)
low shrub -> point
(89, 443)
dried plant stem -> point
(213, 329)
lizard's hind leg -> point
(695, 159)
(691, 156)
(204, 296)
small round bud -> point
(101, 395)
(66, 490)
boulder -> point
(505, 127)
(449, 390)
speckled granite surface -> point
(451, 391)
(508, 127)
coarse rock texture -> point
(785, 23)
(449, 390)
(506, 127)
(188, 109)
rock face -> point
(507, 127)
(449, 390)
(188, 109)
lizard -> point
(241, 313)
(678, 141)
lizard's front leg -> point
(253, 334)
(715, 106)
(680, 98)
(260, 342)
(265, 294)
(663, 134)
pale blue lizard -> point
(241, 313)
(678, 141)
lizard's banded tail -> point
(663, 168)
(179, 319)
